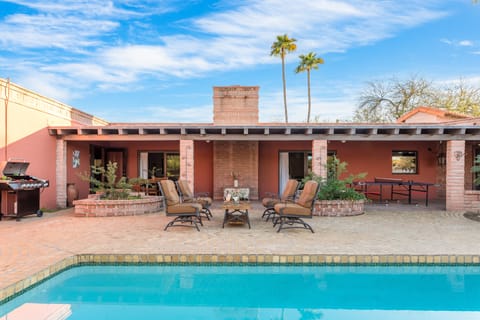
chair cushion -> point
(184, 208)
(204, 201)
(290, 189)
(185, 189)
(170, 192)
(270, 202)
(292, 209)
(308, 194)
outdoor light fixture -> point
(458, 155)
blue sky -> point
(157, 60)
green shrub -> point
(333, 187)
(107, 185)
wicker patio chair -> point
(288, 195)
(184, 213)
(188, 197)
(291, 215)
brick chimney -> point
(235, 105)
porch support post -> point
(61, 173)
(455, 175)
(186, 162)
(319, 158)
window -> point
(295, 165)
(300, 163)
(404, 162)
(173, 165)
(476, 175)
(159, 164)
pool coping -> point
(15, 289)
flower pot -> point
(72, 194)
(235, 183)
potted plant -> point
(337, 196)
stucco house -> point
(59, 141)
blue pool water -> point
(255, 292)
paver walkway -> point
(35, 243)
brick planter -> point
(93, 207)
(471, 200)
(339, 208)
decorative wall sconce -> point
(441, 159)
(458, 155)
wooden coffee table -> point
(236, 213)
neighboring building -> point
(61, 142)
(430, 115)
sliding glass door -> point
(159, 164)
(293, 165)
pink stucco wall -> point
(73, 174)
(268, 152)
(39, 150)
(24, 120)
(373, 158)
(203, 167)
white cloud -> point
(164, 114)
(46, 31)
(242, 36)
(469, 80)
(465, 43)
(97, 8)
(237, 35)
(71, 24)
(446, 41)
(458, 43)
(90, 47)
(51, 86)
(325, 106)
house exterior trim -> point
(261, 132)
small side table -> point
(236, 212)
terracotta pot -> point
(72, 194)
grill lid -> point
(14, 168)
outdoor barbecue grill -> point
(19, 193)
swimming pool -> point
(254, 292)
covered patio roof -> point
(266, 132)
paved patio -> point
(34, 244)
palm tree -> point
(308, 62)
(280, 48)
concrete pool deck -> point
(35, 248)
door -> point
(118, 156)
